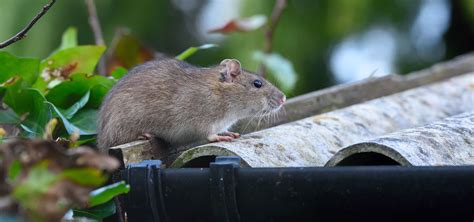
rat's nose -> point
(282, 100)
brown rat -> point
(180, 103)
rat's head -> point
(248, 94)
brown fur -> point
(180, 103)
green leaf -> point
(29, 131)
(98, 93)
(105, 194)
(85, 141)
(16, 96)
(66, 93)
(69, 112)
(79, 59)
(118, 73)
(191, 50)
(11, 66)
(26, 100)
(85, 176)
(41, 85)
(14, 170)
(9, 117)
(98, 212)
(86, 120)
(69, 39)
(70, 127)
(280, 68)
(39, 114)
(36, 183)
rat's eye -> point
(257, 83)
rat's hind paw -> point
(217, 138)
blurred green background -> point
(328, 41)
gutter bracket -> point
(144, 195)
(222, 184)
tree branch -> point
(280, 5)
(22, 34)
(96, 29)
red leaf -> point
(229, 27)
(127, 51)
(242, 25)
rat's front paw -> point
(145, 136)
(217, 138)
(231, 134)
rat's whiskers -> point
(251, 119)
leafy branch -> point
(97, 30)
(22, 34)
(278, 9)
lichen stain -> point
(319, 118)
(471, 85)
(259, 145)
(280, 148)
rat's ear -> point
(231, 69)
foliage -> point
(46, 180)
(38, 181)
(61, 85)
(37, 93)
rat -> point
(180, 103)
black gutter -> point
(225, 192)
